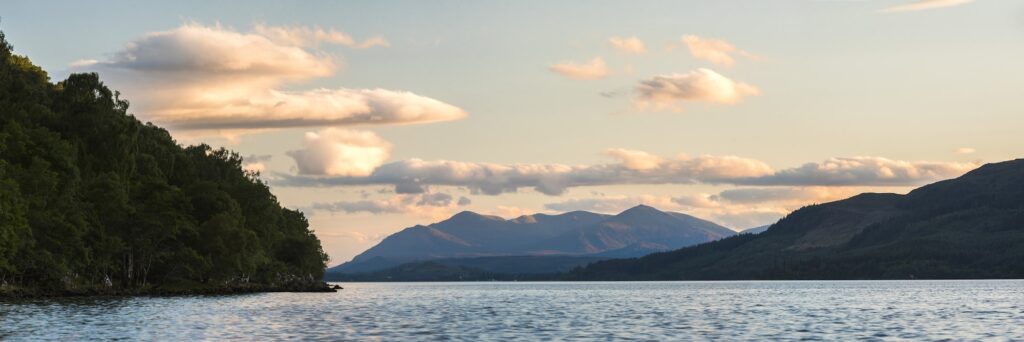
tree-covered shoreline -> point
(92, 200)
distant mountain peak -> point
(642, 208)
(469, 215)
(525, 219)
(642, 228)
(642, 211)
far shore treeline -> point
(94, 201)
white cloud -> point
(338, 152)
(924, 5)
(319, 107)
(704, 85)
(965, 150)
(255, 163)
(712, 50)
(637, 167)
(311, 36)
(628, 44)
(592, 70)
(635, 160)
(716, 51)
(212, 78)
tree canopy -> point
(91, 196)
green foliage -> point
(91, 196)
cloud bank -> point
(636, 167)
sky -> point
(373, 116)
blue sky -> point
(843, 97)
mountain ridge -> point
(968, 227)
(634, 232)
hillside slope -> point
(94, 201)
(968, 227)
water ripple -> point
(631, 311)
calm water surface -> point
(918, 310)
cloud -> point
(339, 152)
(432, 205)
(592, 70)
(702, 85)
(716, 51)
(305, 36)
(817, 194)
(712, 50)
(627, 44)
(924, 5)
(414, 176)
(508, 212)
(255, 163)
(320, 107)
(965, 150)
(212, 78)
(635, 160)
(862, 171)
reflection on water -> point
(540, 311)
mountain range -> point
(968, 227)
(537, 243)
(965, 228)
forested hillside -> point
(92, 199)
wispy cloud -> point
(628, 44)
(921, 5)
(592, 70)
(305, 36)
(716, 51)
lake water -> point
(824, 310)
